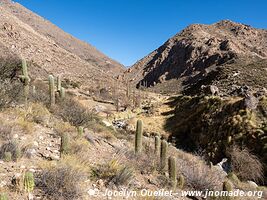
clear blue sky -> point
(127, 30)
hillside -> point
(196, 53)
(50, 50)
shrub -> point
(40, 114)
(25, 125)
(10, 92)
(62, 181)
(13, 148)
(7, 156)
(72, 111)
(113, 172)
(246, 165)
(196, 173)
(5, 131)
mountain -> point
(50, 49)
(198, 51)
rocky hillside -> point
(49, 49)
(196, 52)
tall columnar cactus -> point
(62, 93)
(65, 144)
(25, 77)
(80, 131)
(163, 154)
(28, 182)
(33, 90)
(58, 83)
(3, 196)
(138, 136)
(157, 145)
(26, 80)
(172, 171)
(181, 181)
(52, 90)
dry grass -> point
(246, 165)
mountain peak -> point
(197, 49)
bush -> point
(113, 172)
(40, 114)
(246, 165)
(197, 174)
(10, 92)
(72, 111)
(5, 131)
(13, 148)
(62, 181)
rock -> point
(106, 123)
(35, 144)
(55, 157)
(3, 184)
(30, 153)
(15, 136)
(32, 170)
(251, 101)
(120, 124)
(252, 184)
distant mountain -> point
(25, 34)
(191, 56)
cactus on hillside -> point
(7, 156)
(172, 171)
(3, 196)
(138, 136)
(58, 83)
(163, 154)
(157, 145)
(65, 143)
(17, 153)
(25, 77)
(52, 90)
(28, 182)
(181, 182)
(26, 80)
(80, 131)
(62, 93)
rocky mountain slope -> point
(193, 54)
(49, 49)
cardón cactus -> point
(65, 143)
(172, 171)
(157, 145)
(28, 182)
(163, 154)
(52, 90)
(138, 136)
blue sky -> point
(127, 30)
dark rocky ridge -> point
(196, 51)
